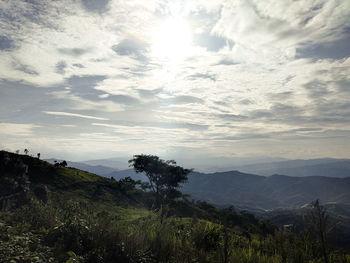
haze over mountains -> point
(314, 167)
(299, 182)
(254, 192)
(260, 192)
(298, 168)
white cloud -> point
(255, 84)
(270, 31)
(77, 103)
(17, 129)
(69, 114)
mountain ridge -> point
(259, 192)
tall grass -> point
(79, 232)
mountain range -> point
(291, 184)
(315, 167)
(327, 167)
(255, 192)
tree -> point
(164, 176)
(128, 184)
(38, 155)
(320, 223)
(60, 164)
(26, 151)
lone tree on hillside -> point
(164, 176)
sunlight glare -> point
(171, 42)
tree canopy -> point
(164, 176)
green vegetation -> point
(164, 176)
(69, 215)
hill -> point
(249, 191)
(277, 191)
(95, 169)
(59, 214)
(338, 219)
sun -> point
(171, 41)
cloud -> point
(144, 93)
(281, 96)
(69, 114)
(124, 99)
(211, 42)
(76, 102)
(26, 69)
(17, 129)
(183, 99)
(156, 125)
(6, 43)
(260, 71)
(343, 85)
(132, 47)
(337, 49)
(75, 52)
(78, 65)
(96, 6)
(317, 89)
(271, 32)
(202, 76)
(60, 67)
(227, 62)
(245, 102)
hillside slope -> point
(71, 183)
(95, 169)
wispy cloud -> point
(252, 71)
(69, 114)
(17, 129)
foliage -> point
(78, 232)
(60, 164)
(164, 176)
(127, 184)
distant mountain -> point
(262, 192)
(256, 192)
(300, 168)
(96, 169)
(116, 163)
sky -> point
(200, 79)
